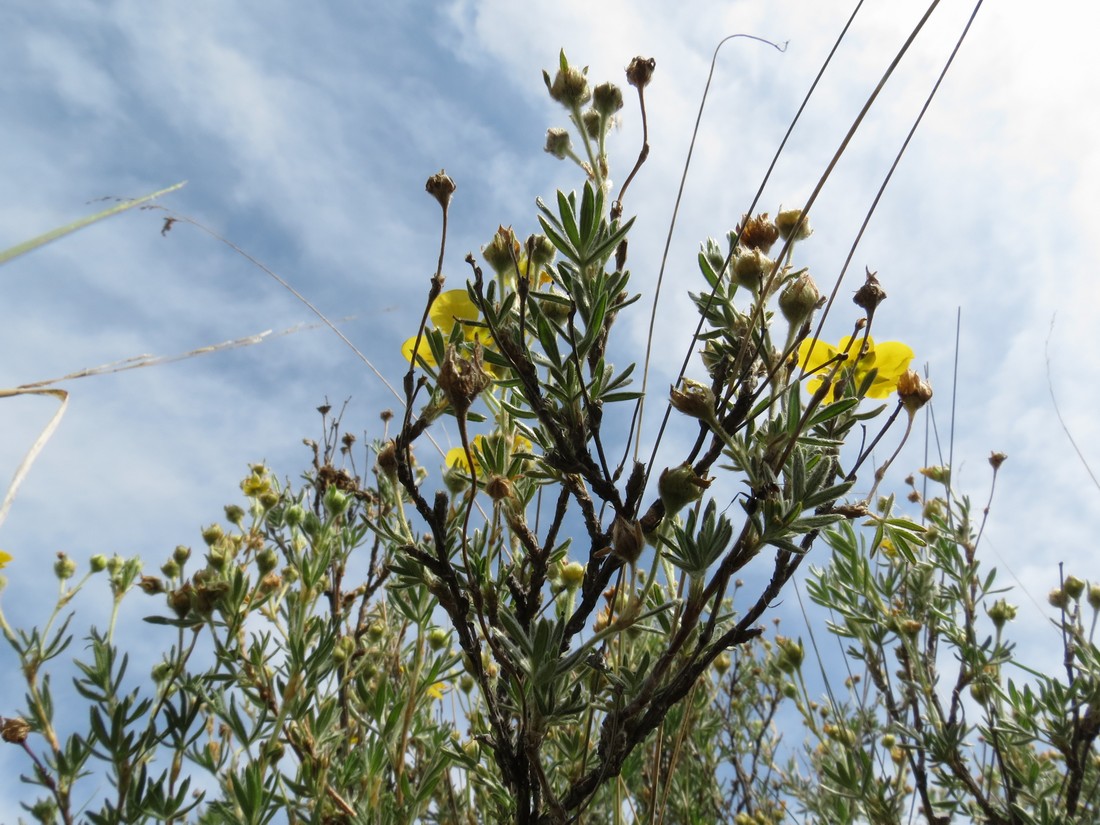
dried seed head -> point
(996, 460)
(441, 186)
(758, 233)
(462, 379)
(640, 71)
(871, 294)
(387, 460)
(15, 730)
(627, 539)
(499, 488)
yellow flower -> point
(437, 690)
(456, 456)
(4, 559)
(450, 308)
(890, 359)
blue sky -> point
(306, 132)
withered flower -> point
(462, 379)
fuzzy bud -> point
(98, 563)
(570, 85)
(694, 399)
(441, 186)
(1058, 598)
(1074, 587)
(1000, 612)
(791, 654)
(789, 223)
(750, 267)
(266, 560)
(170, 568)
(799, 299)
(438, 638)
(607, 99)
(502, 252)
(680, 486)
(212, 534)
(234, 514)
(64, 568)
(558, 143)
(572, 575)
(181, 554)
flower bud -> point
(1058, 598)
(162, 671)
(170, 569)
(695, 399)
(440, 186)
(1094, 597)
(1074, 587)
(502, 252)
(438, 638)
(336, 501)
(938, 473)
(607, 99)
(558, 143)
(680, 486)
(151, 585)
(913, 391)
(722, 663)
(1000, 612)
(572, 575)
(570, 86)
(266, 560)
(799, 299)
(791, 654)
(343, 649)
(466, 683)
(234, 514)
(591, 121)
(64, 567)
(750, 267)
(98, 563)
(294, 515)
(542, 252)
(181, 554)
(789, 222)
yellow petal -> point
(424, 351)
(450, 307)
(4, 558)
(437, 690)
(891, 359)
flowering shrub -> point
(537, 627)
